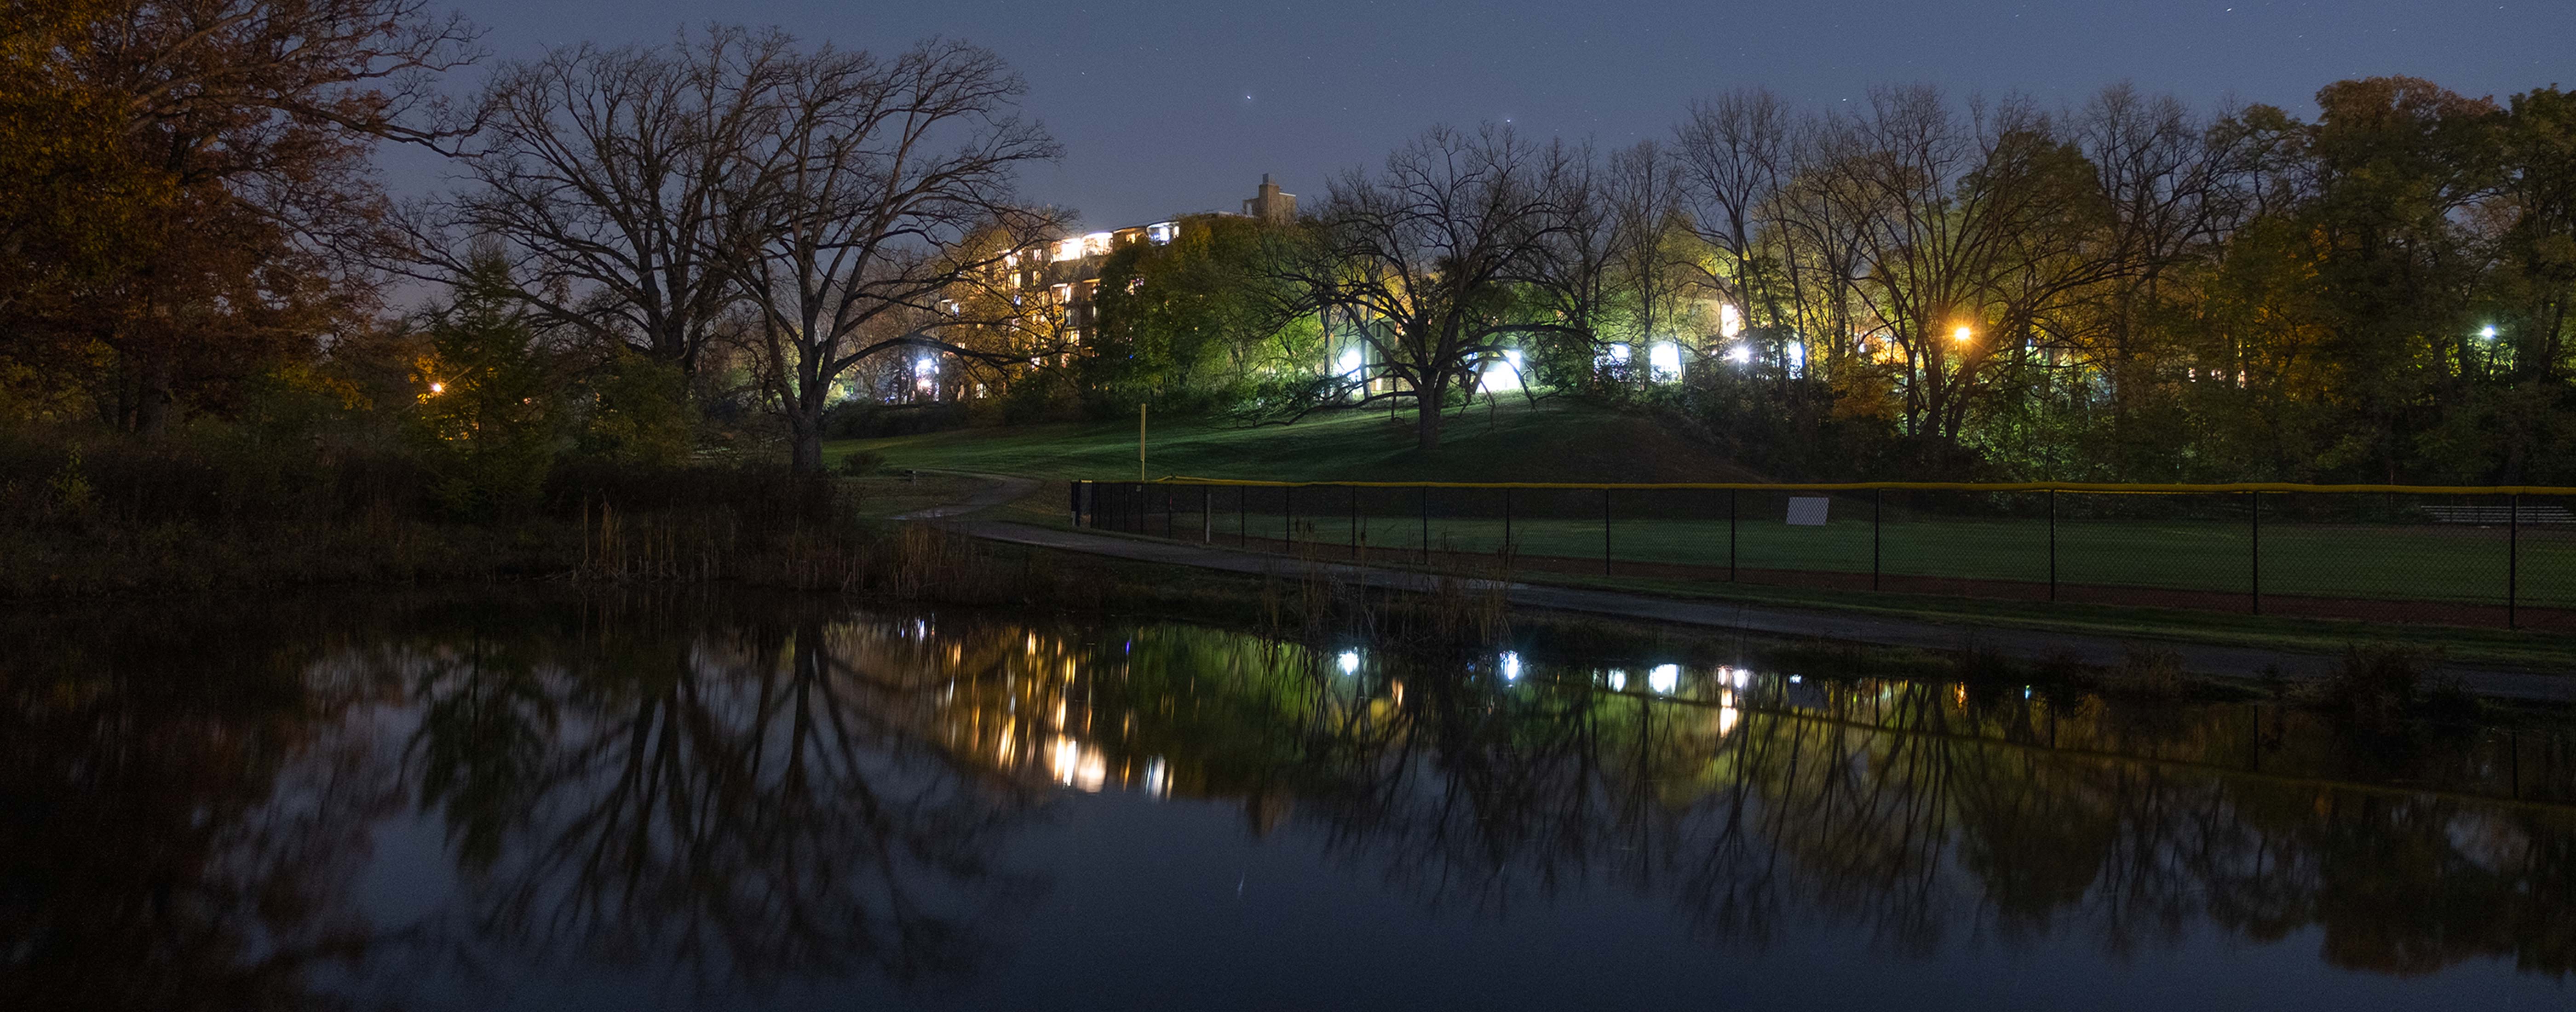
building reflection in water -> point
(808, 794)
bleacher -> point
(2497, 516)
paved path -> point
(998, 490)
(2028, 645)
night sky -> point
(1173, 107)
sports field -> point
(2191, 552)
(2200, 547)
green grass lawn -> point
(1565, 442)
(1513, 441)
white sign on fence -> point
(1808, 511)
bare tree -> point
(1642, 195)
(600, 172)
(2176, 186)
(1972, 234)
(1423, 257)
(886, 188)
(1734, 154)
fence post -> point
(2513, 562)
(1877, 508)
(1207, 514)
(1605, 532)
(1731, 496)
(1426, 525)
(2052, 545)
(1355, 522)
(2257, 513)
(1507, 522)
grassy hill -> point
(1557, 441)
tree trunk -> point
(152, 404)
(805, 453)
(1427, 418)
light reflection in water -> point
(745, 785)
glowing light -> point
(1078, 767)
(1963, 335)
(1793, 679)
(1350, 662)
(1158, 778)
(1740, 354)
(1350, 363)
(1730, 321)
(1743, 677)
(1511, 666)
(1618, 679)
(1162, 232)
(1503, 373)
(2488, 332)
(1664, 679)
(1664, 362)
(1612, 355)
(438, 388)
(1727, 714)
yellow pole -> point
(1140, 442)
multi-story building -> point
(1066, 270)
(1061, 277)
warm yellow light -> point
(438, 388)
(1963, 334)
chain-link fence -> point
(2503, 557)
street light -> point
(1963, 334)
(2488, 333)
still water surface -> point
(556, 804)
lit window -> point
(1162, 232)
(1664, 362)
(1730, 322)
(1068, 249)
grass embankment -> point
(1564, 442)
(1554, 441)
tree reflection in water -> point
(764, 793)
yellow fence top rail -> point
(1909, 486)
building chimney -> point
(1269, 205)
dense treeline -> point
(2124, 290)
(722, 245)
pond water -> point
(547, 804)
